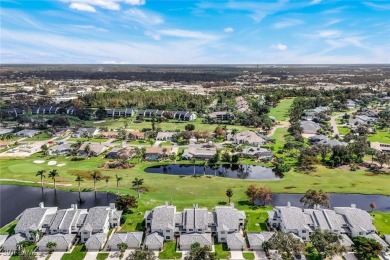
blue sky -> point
(195, 32)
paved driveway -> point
(56, 255)
(350, 256)
(4, 257)
(91, 256)
(260, 254)
(236, 255)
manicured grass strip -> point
(169, 251)
(248, 255)
(280, 112)
(8, 229)
(343, 130)
(221, 251)
(256, 218)
(382, 136)
(382, 222)
(78, 253)
(102, 256)
(38, 137)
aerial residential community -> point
(194, 130)
(206, 169)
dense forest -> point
(121, 75)
(169, 99)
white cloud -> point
(328, 34)
(314, 2)
(228, 30)
(89, 5)
(82, 7)
(287, 23)
(279, 47)
(332, 22)
(135, 2)
(143, 17)
(378, 6)
(187, 34)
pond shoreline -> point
(30, 196)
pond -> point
(14, 199)
(361, 201)
(235, 171)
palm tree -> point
(42, 175)
(229, 193)
(204, 167)
(136, 183)
(107, 178)
(96, 177)
(51, 246)
(53, 174)
(79, 179)
(118, 179)
(193, 160)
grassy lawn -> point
(171, 125)
(248, 255)
(343, 130)
(139, 142)
(169, 251)
(39, 137)
(256, 217)
(8, 229)
(382, 222)
(280, 112)
(166, 144)
(102, 256)
(78, 253)
(221, 251)
(380, 136)
(92, 140)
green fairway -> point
(171, 125)
(382, 222)
(382, 136)
(280, 112)
(343, 130)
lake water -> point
(361, 201)
(234, 171)
(14, 199)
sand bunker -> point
(52, 163)
(61, 164)
(39, 161)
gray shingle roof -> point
(235, 239)
(60, 239)
(154, 239)
(202, 239)
(130, 238)
(96, 218)
(2, 239)
(13, 240)
(195, 218)
(255, 239)
(357, 218)
(32, 218)
(96, 240)
(68, 219)
(293, 218)
(163, 217)
(58, 219)
(228, 217)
